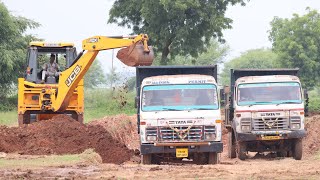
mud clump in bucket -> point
(134, 55)
(63, 135)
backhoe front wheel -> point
(78, 117)
(23, 119)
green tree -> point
(297, 42)
(113, 77)
(251, 59)
(95, 76)
(13, 43)
(131, 83)
(214, 54)
(180, 27)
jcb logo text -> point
(73, 75)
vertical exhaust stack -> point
(136, 55)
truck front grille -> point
(194, 134)
(271, 123)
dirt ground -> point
(115, 140)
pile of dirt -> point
(63, 135)
(311, 143)
(121, 127)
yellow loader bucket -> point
(135, 55)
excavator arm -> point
(136, 53)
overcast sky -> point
(74, 20)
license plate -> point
(181, 152)
(270, 137)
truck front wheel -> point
(242, 150)
(231, 145)
(146, 159)
(213, 158)
(297, 149)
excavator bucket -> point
(135, 55)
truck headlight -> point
(246, 128)
(295, 126)
(210, 136)
(151, 138)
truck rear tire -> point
(232, 153)
(242, 150)
(213, 158)
(146, 159)
(297, 149)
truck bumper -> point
(282, 135)
(166, 148)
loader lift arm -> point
(57, 100)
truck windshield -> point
(269, 93)
(179, 97)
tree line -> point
(182, 32)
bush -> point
(9, 104)
(314, 101)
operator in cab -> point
(50, 69)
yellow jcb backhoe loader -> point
(63, 93)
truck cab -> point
(179, 114)
(265, 113)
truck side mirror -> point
(306, 102)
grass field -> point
(98, 103)
(9, 118)
(104, 102)
(18, 161)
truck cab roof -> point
(50, 44)
(269, 78)
(179, 79)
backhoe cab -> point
(31, 98)
(39, 54)
(62, 92)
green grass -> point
(314, 101)
(98, 103)
(105, 102)
(9, 118)
(88, 156)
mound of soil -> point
(121, 127)
(63, 135)
(311, 143)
